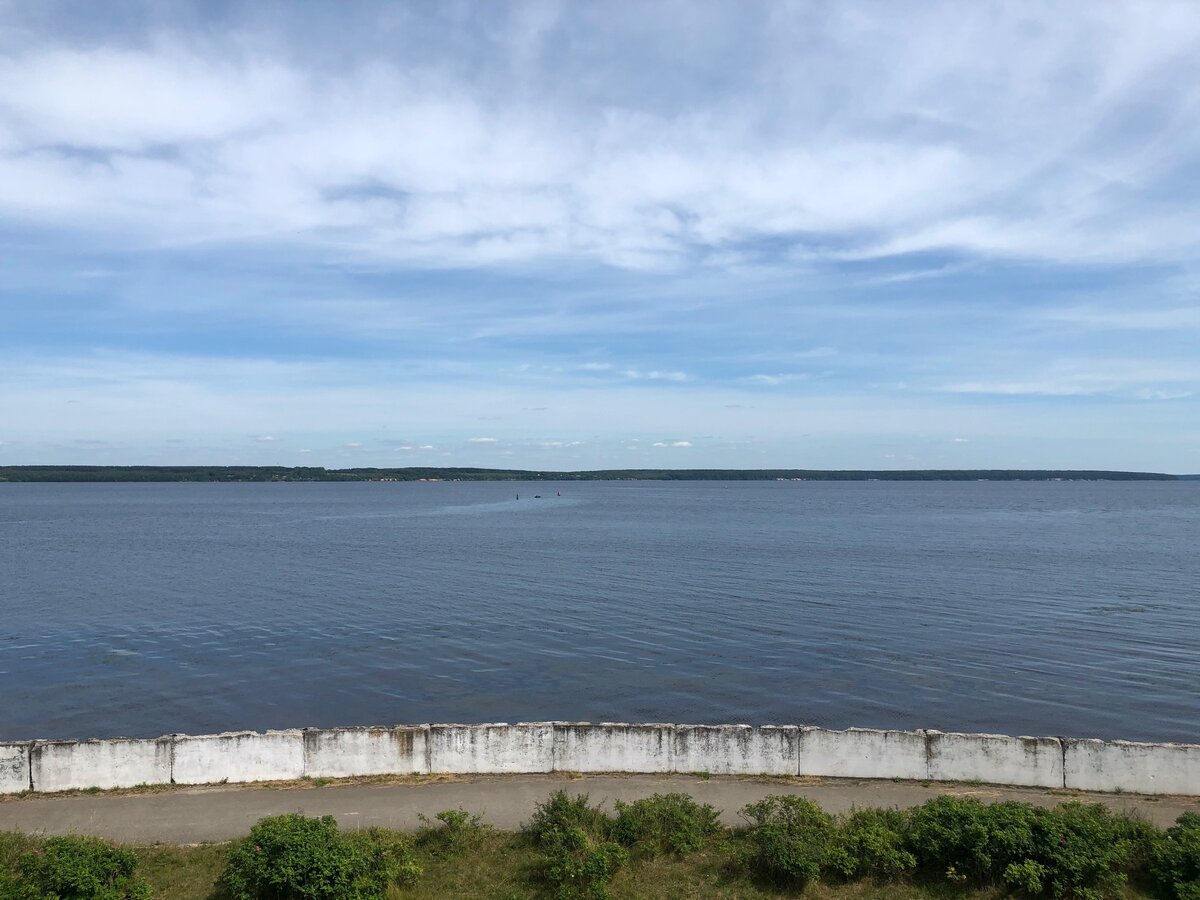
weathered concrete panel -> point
(736, 749)
(862, 753)
(995, 758)
(346, 752)
(239, 756)
(612, 747)
(492, 748)
(1127, 766)
(14, 768)
(115, 763)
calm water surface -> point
(1040, 608)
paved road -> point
(195, 815)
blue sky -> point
(576, 235)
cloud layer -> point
(901, 206)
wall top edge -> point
(933, 732)
(271, 732)
(299, 733)
(72, 742)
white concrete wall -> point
(14, 768)
(1138, 768)
(607, 747)
(863, 753)
(495, 748)
(995, 758)
(736, 749)
(239, 756)
(612, 747)
(116, 763)
(346, 752)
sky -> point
(581, 235)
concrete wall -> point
(239, 756)
(346, 752)
(497, 747)
(606, 747)
(1126, 766)
(612, 747)
(14, 768)
(117, 763)
(995, 758)
(736, 749)
(863, 753)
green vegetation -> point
(73, 868)
(317, 473)
(790, 837)
(666, 823)
(1175, 860)
(662, 846)
(291, 856)
(578, 859)
(457, 832)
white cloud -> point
(1029, 132)
(681, 443)
(655, 375)
(775, 380)
(481, 440)
(1137, 319)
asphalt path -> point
(224, 812)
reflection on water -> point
(1046, 608)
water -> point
(1024, 608)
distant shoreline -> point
(26, 474)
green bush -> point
(561, 811)
(1077, 850)
(458, 832)
(870, 842)
(291, 857)
(1175, 861)
(1081, 850)
(579, 865)
(789, 836)
(579, 859)
(666, 823)
(1028, 876)
(76, 868)
(950, 835)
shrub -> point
(577, 864)
(1081, 850)
(291, 857)
(666, 823)
(950, 835)
(789, 836)
(459, 831)
(1027, 876)
(383, 858)
(870, 842)
(561, 812)
(77, 868)
(1175, 861)
(579, 860)
(1076, 850)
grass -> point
(503, 866)
(183, 872)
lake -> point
(1059, 608)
